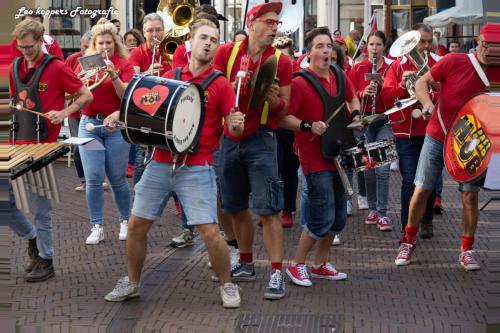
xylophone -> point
(29, 168)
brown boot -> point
(32, 254)
(426, 231)
(42, 271)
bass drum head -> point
(187, 119)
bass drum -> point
(163, 113)
(472, 138)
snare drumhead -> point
(187, 118)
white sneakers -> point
(362, 202)
(123, 230)
(230, 295)
(97, 233)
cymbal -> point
(401, 104)
(262, 82)
(365, 121)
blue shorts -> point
(431, 164)
(251, 166)
(194, 185)
(327, 202)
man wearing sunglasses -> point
(249, 162)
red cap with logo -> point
(491, 33)
(262, 9)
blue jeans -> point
(377, 180)
(113, 162)
(288, 164)
(41, 209)
(251, 165)
(140, 154)
(409, 152)
(327, 201)
(73, 130)
(439, 185)
(305, 210)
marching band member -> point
(459, 82)
(193, 182)
(142, 57)
(377, 181)
(326, 194)
(249, 162)
(112, 161)
(39, 81)
(408, 131)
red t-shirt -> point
(181, 56)
(459, 82)
(252, 119)
(142, 57)
(51, 45)
(72, 62)
(306, 104)
(357, 76)
(57, 79)
(220, 98)
(106, 101)
(395, 88)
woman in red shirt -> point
(112, 160)
(376, 180)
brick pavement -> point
(432, 294)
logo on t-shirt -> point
(42, 86)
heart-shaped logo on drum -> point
(149, 100)
(30, 104)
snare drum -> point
(163, 113)
(369, 156)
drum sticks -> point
(20, 108)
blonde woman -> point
(112, 161)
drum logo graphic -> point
(150, 100)
(470, 144)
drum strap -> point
(479, 70)
(229, 69)
(177, 73)
(204, 85)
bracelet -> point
(306, 126)
(355, 113)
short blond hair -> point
(105, 27)
(27, 27)
(196, 24)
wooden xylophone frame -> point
(29, 168)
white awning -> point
(464, 12)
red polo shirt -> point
(106, 101)
(306, 104)
(459, 82)
(57, 79)
(181, 56)
(142, 57)
(357, 76)
(220, 98)
(252, 119)
(395, 88)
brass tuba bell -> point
(406, 45)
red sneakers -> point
(404, 254)
(298, 274)
(286, 219)
(130, 171)
(384, 223)
(372, 217)
(327, 271)
(468, 262)
(438, 206)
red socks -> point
(410, 233)
(276, 266)
(246, 257)
(467, 243)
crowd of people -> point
(249, 161)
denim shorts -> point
(430, 166)
(194, 185)
(251, 166)
(327, 202)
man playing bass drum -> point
(459, 82)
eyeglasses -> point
(26, 48)
(270, 22)
(150, 31)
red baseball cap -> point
(262, 9)
(340, 40)
(491, 33)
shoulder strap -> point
(232, 58)
(177, 73)
(479, 70)
(309, 77)
(210, 78)
(48, 59)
